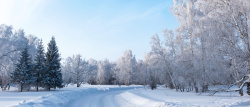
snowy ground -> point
(115, 96)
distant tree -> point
(104, 72)
(67, 76)
(78, 68)
(141, 75)
(92, 71)
(53, 72)
(23, 72)
(75, 68)
(126, 65)
(39, 67)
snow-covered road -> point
(116, 97)
(103, 98)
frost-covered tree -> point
(39, 66)
(78, 68)
(126, 65)
(67, 76)
(11, 43)
(104, 75)
(75, 69)
(52, 61)
(92, 71)
(8, 53)
(23, 72)
(160, 54)
(140, 76)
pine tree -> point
(39, 67)
(22, 74)
(54, 78)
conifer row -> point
(44, 72)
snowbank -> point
(163, 97)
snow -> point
(171, 98)
(115, 96)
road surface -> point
(108, 98)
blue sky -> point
(96, 29)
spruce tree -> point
(23, 71)
(39, 66)
(54, 78)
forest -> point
(210, 47)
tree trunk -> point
(196, 88)
(204, 88)
(36, 87)
(241, 92)
(1, 83)
(77, 79)
(248, 88)
(21, 87)
(78, 84)
(176, 88)
(8, 86)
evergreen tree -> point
(54, 78)
(39, 67)
(22, 74)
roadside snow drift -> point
(66, 97)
